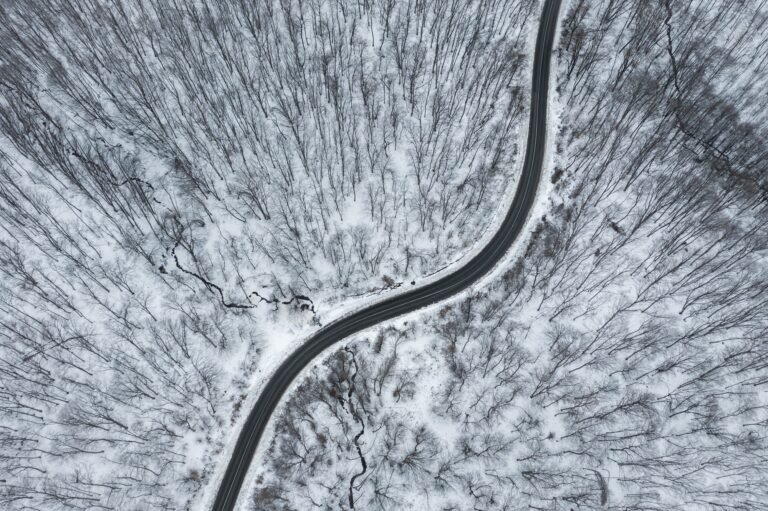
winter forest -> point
(188, 188)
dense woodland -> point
(620, 362)
(307, 146)
(178, 177)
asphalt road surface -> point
(419, 297)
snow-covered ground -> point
(161, 164)
(619, 363)
(172, 175)
(539, 209)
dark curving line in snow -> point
(439, 290)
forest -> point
(186, 187)
(619, 360)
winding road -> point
(417, 298)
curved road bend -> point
(420, 297)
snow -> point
(126, 379)
(351, 306)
